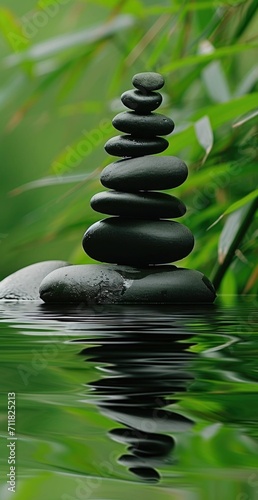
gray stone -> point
(114, 284)
(24, 284)
(148, 81)
(141, 103)
(126, 145)
(137, 242)
(143, 205)
(145, 173)
(143, 125)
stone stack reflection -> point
(142, 379)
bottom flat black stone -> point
(115, 284)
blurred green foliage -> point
(64, 64)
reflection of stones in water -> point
(147, 450)
(142, 379)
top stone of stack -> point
(142, 127)
(148, 81)
(144, 99)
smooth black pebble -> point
(149, 125)
(148, 81)
(145, 173)
(137, 242)
(146, 474)
(134, 99)
(126, 145)
(141, 205)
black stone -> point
(139, 205)
(114, 284)
(126, 145)
(24, 284)
(148, 81)
(143, 125)
(140, 103)
(169, 284)
(91, 284)
(137, 242)
(145, 173)
(147, 474)
(145, 444)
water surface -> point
(122, 402)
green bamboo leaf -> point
(189, 7)
(225, 112)
(246, 118)
(232, 235)
(213, 76)
(247, 83)
(221, 174)
(11, 29)
(215, 82)
(246, 18)
(56, 180)
(204, 134)
(70, 41)
(237, 205)
(218, 114)
(10, 90)
(240, 203)
(158, 50)
(205, 58)
(230, 231)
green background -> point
(64, 65)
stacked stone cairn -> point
(138, 242)
(138, 235)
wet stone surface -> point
(107, 284)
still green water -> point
(119, 403)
